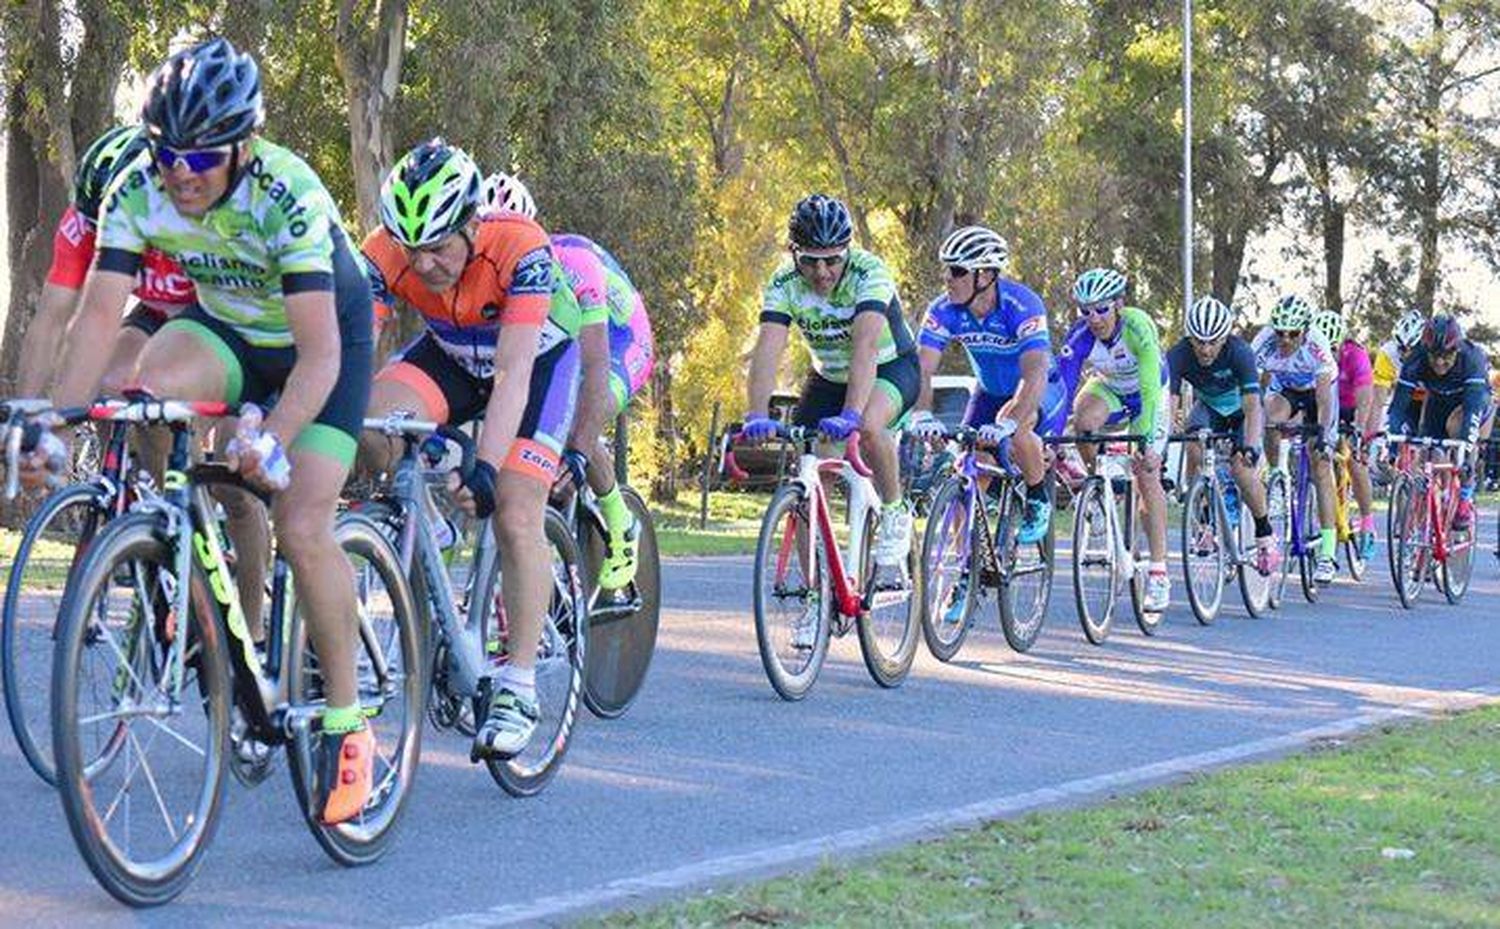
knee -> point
(519, 517)
(301, 534)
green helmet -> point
(431, 193)
(1330, 325)
(105, 158)
(1292, 314)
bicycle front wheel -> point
(888, 622)
(1456, 569)
(1255, 588)
(950, 568)
(1312, 543)
(1409, 543)
(1203, 552)
(140, 708)
(56, 538)
(1093, 562)
(623, 624)
(792, 595)
(560, 669)
(389, 659)
(1025, 576)
(1279, 512)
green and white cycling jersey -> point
(827, 323)
(272, 236)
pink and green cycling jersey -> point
(1354, 372)
(272, 237)
(606, 294)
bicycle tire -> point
(1255, 588)
(1090, 514)
(1349, 506)
(1456, 570)
(783, 510)
(403, 658)
(888, 667)
(620, 648)
(948, 512)
(1021, 625)
(1409, 511)
(1145, 620)
(1202, 498)
(561, 666)
(137, 538)
(29, 708)
(1279, 512)
(1307, 564)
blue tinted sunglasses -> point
(1097, 309)
(197, 160)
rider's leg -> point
(618, 568)
(1278, 410)
(1091, 409)
(877, 444)
(405, 387)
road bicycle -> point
(1218, 534)
(1345, 507)
(1109, 538)
(969, 549)
(157, 688)
(1292, 506)
(807, 590)
(622, 624)
(1424, 499)
(462, 613)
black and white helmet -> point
(975, 247)
(1208, 319)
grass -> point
(1390, 830)
(733, 524)
(47, 567)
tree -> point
(369, 43)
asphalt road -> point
(711, 777)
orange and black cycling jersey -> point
(512, 278)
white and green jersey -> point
(271, 237)
(828, 322)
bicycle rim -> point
(1148, 622)
(1279, 512)
(950, 561)
(1203, 551)
(1255, 588)
(49, 548)
(888, 626)
(1093, 563)
(1312, 544)
(139, 741)
(1025, 577)
(791, 589)
(1409, 507)
(621, 645)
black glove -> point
(1249, 455)
(480, 482)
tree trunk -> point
(1334, 220)
(664, 484)
(35, 194)
(369, 60)
(1228, 260)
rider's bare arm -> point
(865, 335)
(315, 331)
(770, 342)
(1022, 407)
(928, 359)
(86, 355)
(44, 339)
(515, 352)
(595, 400)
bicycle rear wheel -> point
(1409, 543)
(889, 622)
(1204, 557)
(54, 541)
(560, 669)
(792, 595)
(1146, 620)
(139, 738)
(950, 567)
(1025, 576)
(1093, 562)
(390, 658)
(622, 625)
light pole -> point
(1187, 156)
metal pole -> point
(1187, 157)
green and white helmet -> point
(1291, 314)
(1330, 325)
(431, 193)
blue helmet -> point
(820, 221)
(1097, 285)
(204, 96)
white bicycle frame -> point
(862, 498)
(1113, 465)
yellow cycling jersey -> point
(1387, 364)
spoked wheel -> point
(1312, 544)
(889, 623)
(560, 668)
(1279, 512)
(139, 737)
(56, 537)
(792, 596)
(390, 661)
(1025, 576)
(1456, 570)
(1409, 544)
(950, 567)
(1204, 556)
(623, 623)
(1148, 620)
(1094, 566)
(1255, 588)
(1348, 506)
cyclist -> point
(864, 375)
(1356, 402)
(1002, 326)
(1221, 369)
(282, 306)
(617, 362)
(1387, 361)
(1120, 344)
(500, 347)
(1298, 371)
(161, 291)
(1455, 373)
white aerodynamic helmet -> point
(504, 193)
(1208, 319)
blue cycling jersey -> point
(995, 344)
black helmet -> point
(1442, 335)
(820, 221)
(99, 165)
(204, 96)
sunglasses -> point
(1289, 334)
(956, 272)
(1096, 309)
(1207, 343)
(828, 261)
(196, 160)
